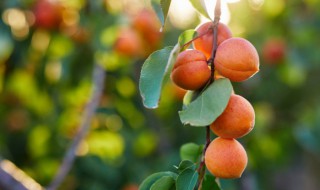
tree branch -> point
(12, 178)
(98, 83)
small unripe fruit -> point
(190, 70)
(128, 43)
(236, 120)
(226, 158)
(205, 43)
(236, 59)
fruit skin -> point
(190, 70)
(48, 15)
(236, 120)
(274, 51)
(128, 43)
(226, 158)
(236, 59)
(205, 43)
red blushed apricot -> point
(236, 59)
(48, 15)
(226, 158)
(236, 120)
(128, 43)
(205, 43)
(274, 51)
(190, 70)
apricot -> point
(147, 23)
(226, 158)
(190, 70)
(236, 120)
(236, 59)
(205, 43)
(48, 14)
(274, 51)
(128, 43)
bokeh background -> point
(45, 81)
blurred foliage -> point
(45, 82)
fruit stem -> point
(193, 39)
(217, 14)
(201, 170)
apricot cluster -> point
(141, 38)
(236, 59)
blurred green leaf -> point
(152, 75)
(187, 180)
(164, 183)
(209, 105)
(6, 46)
(149, 181)
(164, 9)
(165, 6)
(200, 7)
(191, 151)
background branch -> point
(98, 83)
(12, 178)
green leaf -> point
(164, 183)
(209, 183)
(165, 5)
(200, 7)
(209, 105)
(190, 151)
(185, 37)
(149, 181)
(152, 75)
(187, 180)
(186, 164)
(162, 9)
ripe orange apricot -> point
(226, 158)
(190, 70)
(147, 23)
(128, 43)
(236, 59)
(236, 120)
(205, 43)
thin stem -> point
(98, 82)
(189, 42)
(201, 170)
(217, 14)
